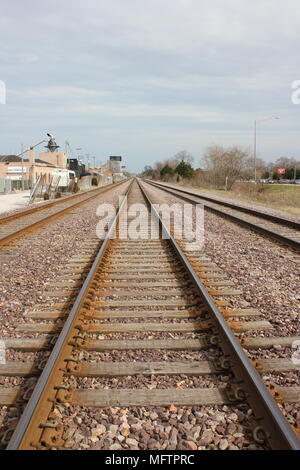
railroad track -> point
(19, 224)
(283, 230)
(141, 297)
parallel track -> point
(152, 285)
(17, 225)
(281, 229)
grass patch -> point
(275, 196)
(280, 196)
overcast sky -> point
(148, 78)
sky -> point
(146, 79)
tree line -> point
(220, 167)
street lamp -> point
(255, 126)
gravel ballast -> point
(154, 428)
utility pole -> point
(68, 149)
(27, 150)
(78, 150)
(255, 150)
(255, 128)
(22, 178)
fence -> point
(85, 183)
(6, 185)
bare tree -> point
(249, 171)
(183, 156)
(158, 166)
(221, 163)
(285, 162)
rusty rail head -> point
(279, 433)
(31, 418)
(54, 202)
(22, 231)
(257, 228)
(247, 210)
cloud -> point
(179, 72)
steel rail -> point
(248, 210)
(279, 432)
(43, 382)
(250, 225)
(7, 238)
(52, 203)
